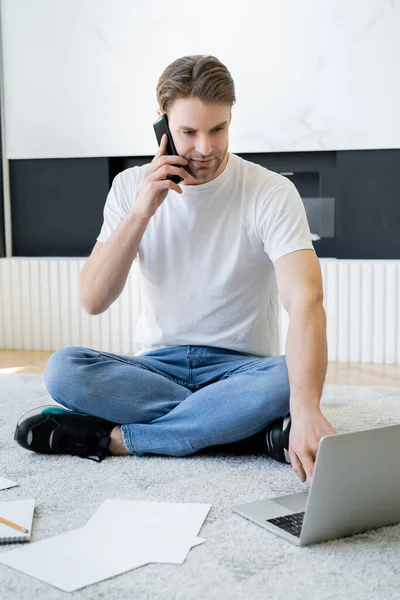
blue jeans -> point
(175, 400)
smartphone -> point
(160, 127)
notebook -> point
(19, 512)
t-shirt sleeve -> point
(282, 222)
(118, 204)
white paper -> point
(180, 519)
(187, 517)
(166, 531)
(72, 560)
(6, 483)
(122, 535)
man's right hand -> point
(155, 185)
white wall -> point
(80, 75)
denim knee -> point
(57, 367)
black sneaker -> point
(53, 430)
(277, 439)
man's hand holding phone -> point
(155, 185)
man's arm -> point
(300, 289)
(104, 274)
(299, 281)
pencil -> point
(11, 524)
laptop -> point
(355, 487)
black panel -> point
(126, 162)
(57, 205)
(368, 209)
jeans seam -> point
(120, 359)
(249, 367)
(199, 358)
(238, 370)
(132, 364)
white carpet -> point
(239, 560)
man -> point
(213, 253)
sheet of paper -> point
(72, 560)
(177, 517)
(6, 483)
(79, 558)
(166, 531)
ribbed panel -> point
(40, 309)
(362, 305)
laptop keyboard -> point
(290, 523)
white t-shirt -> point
(206, 257)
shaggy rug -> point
(238, 560)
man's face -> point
(200, 133)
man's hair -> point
(198, 76)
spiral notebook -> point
(19, 512)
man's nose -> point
(203, 146)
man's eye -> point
(214, 131)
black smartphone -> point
(160, 127)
